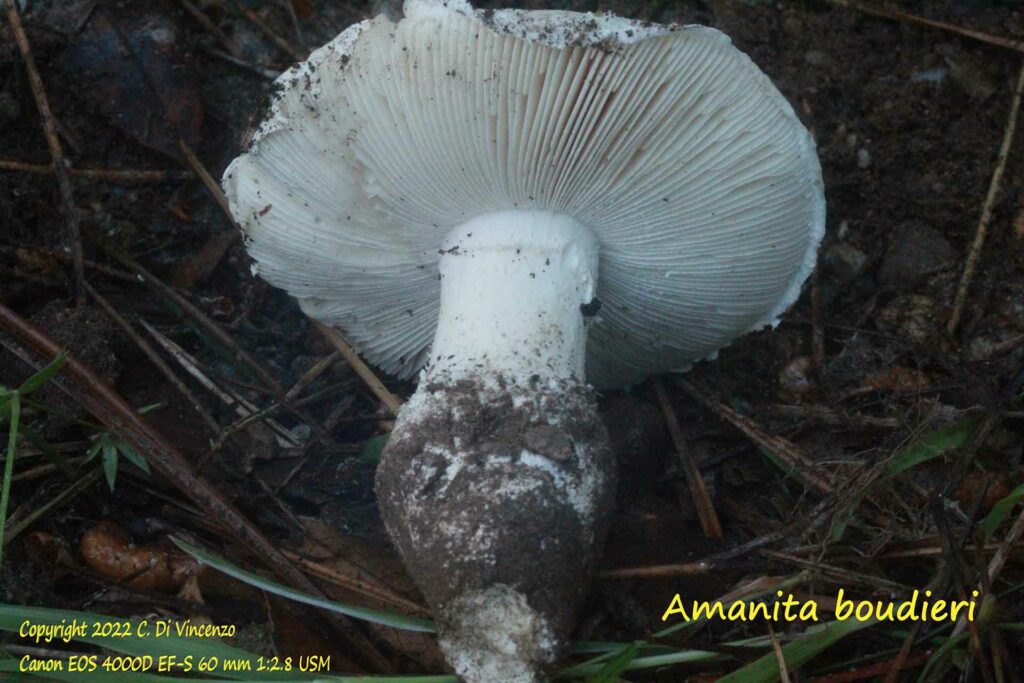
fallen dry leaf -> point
(108, 550)
(131, 65)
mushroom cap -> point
(700, 184)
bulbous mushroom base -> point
(498, 498)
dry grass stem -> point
(897, 15)
(390, 401)
(104, 174)
(154, 358)
(709, 521)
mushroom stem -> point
(498, 479)
(512, 284)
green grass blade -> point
(651, 662)
(932, 446)
(609, 673)
(1001, 510)
(375, 616)
(131, 456)
(110, 462)
(14, 406)
(43, 376)
(941, 652)
(796, 653)
(590, 647)
(928, 447)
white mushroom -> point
(462, 192)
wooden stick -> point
(56, 152)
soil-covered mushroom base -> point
(498, 498)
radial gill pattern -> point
(701, 185)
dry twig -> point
(19, 522)
(839, 575)
(358, 582)
(104, 174)
(831, 417)
(218, 333)
(243, 407)
(708, 564)
(22, 252)
(779, 656)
